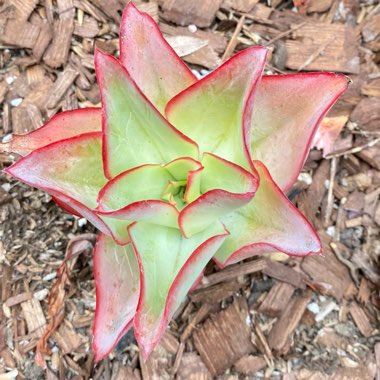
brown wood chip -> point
(328, 274)
(160, 361)
(88, 29)
(285, 273)
(20, 33)
(360, 318)
(280, 336)
(249, 365)
(58, 51)
(367, 114)
(67, 338)
(43, 40)
(277, 299)
(329, 47)
(15, 300)
(234, 271)
(225, 337)
(23, 9)
(192, 368)
(240, 5)
(34, 317)
(184, 12)
(61, 85)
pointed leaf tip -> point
(61, 126)
(166, 279)
(117, 284)
(134, 132)
(225, 187)
(270, 222)
(71, 171)
(282, 131)
(216, 111)
(150, 60)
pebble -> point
(313, 307)
(41, 294)
(10, 79)
(82, 222)
(16, 102)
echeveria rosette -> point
(165, 171)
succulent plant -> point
(175, 171)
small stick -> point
(355, 149)
(233, 41)
(315, 55)
(284, 34)
(330, 196)
(178, 359)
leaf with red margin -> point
(134, 132)
(216, 111)
(71, 171)
(117, 282)
(224, 186)
(286, 114)
(169, 266)
(136, 194)
(150, 60)
(270, 222)
(61, 126)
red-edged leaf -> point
(134, 132)
(216, 111)
(286, 113)
(71, 171)
(169, 266)
(224, 186)
(150, 60)
(270, 222)
(128, 197)
(61, 126)
(117, 282)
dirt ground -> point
(270, 317)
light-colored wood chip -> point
(360, 318)
(192, 368)
(240, 5)
(34, 317)
(249, 365)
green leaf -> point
(117, 282)
(71, 171)
(216, 111)
(169, 265)
(134, 132)
(139, 194)
(270, 222)
(224, 186)
(149, 59)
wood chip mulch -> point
(272, 317)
